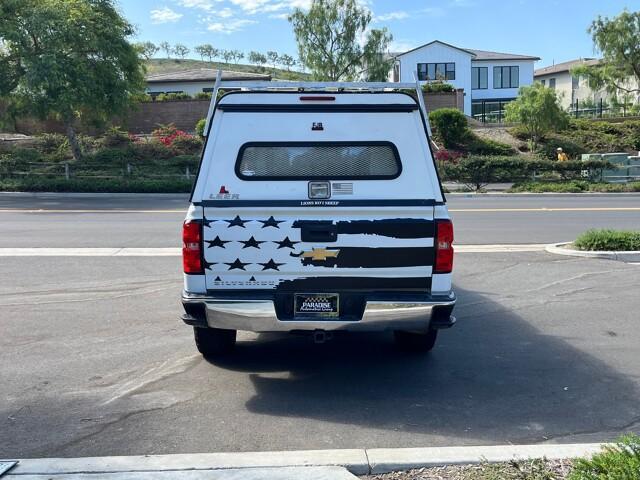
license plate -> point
(316, 305)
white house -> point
(196, 80)
(572, 89)
(489, 79)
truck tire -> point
(415, 341)
(214, 342)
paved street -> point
(95, 361)
(105, 220)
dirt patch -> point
(520, 470)
(500, 134)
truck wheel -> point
(415, 341)
(214, 342)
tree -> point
(68, 59)
(166, 48)
(257, 58)
(226, 55)
(181, 50)
(616, 39)
(335, 43)
(201, 50)
(147, 49)
(538, 109)
(273, 58)
(206, 50)
(236, 56)
(288, 61)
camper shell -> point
(317, 207)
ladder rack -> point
(266, 86)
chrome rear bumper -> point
(260, 315)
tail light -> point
(444, 246)
(192, 247)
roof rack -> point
(265, 86)
(315, 86)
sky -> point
(554, 30)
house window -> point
(436, 71)
(552, 83)
(575, 82)
(543, 82)
(479, 78)
(506, 77)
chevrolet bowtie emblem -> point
(320, 254)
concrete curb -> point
(357, 461)
(558, 249)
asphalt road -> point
(37, 220)
(95, 362)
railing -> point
(93, 170)
(587, 109)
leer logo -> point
(320, 254)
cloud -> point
(224, 13)
(253, 7)
(433, 11)
(165, 15)
(400, 46)
(201, 4)
(230, 26)
(463, 3)
(385, 17)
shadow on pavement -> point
(493, 378)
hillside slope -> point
(168, 65)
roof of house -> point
(564, 66)
(477, 54)
(205, 75)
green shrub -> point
(485, 146)
(547, 187)
(200, 124)
(183, 161)
(620, 461)
(604, 239)
(172, 97)
(50, 143)
(187, 145)
(437, 86)
(451, 125)
(111, 157)
(476, 171)
(203, 96)
(150, 150)
(29, 184)
(115, 137)
(552, 141)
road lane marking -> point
(174, 252)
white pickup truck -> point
(317, 207)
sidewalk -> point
(285, 465)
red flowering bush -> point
(167, 134)
(444, 155)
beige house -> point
(196, 80)
(571, 88)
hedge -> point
(478, 171)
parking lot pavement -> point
(95, 362)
